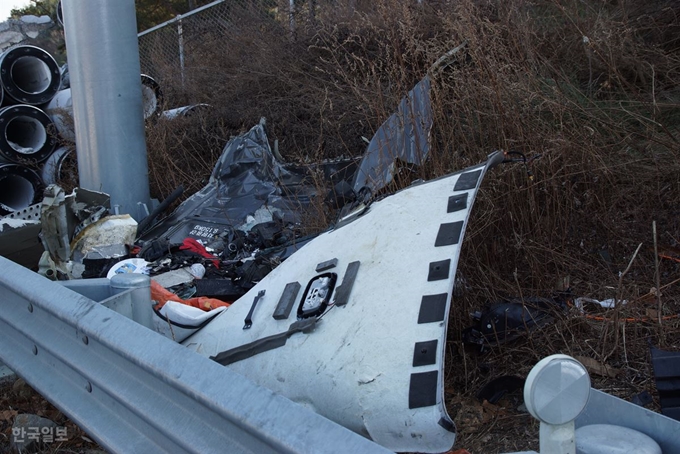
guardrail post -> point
(139, 286)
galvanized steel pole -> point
(103, 58)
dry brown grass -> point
(591, 86)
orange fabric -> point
(161, 295)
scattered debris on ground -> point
(603, 116)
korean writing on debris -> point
(204, 231)
(39, 434)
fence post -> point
(291, 18)
(180, 41)
(312, 10)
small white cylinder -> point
(557, 439)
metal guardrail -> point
(604, 408)
(134, 390)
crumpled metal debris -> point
(63, 220)
(247, 187)
(402, 138)
(19, 236)
(250, 215)
(253, 213)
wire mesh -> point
(178, 48)
(180, 52)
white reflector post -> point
(556, 392)
(103, 59)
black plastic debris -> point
(253, 271)
(266, 233)
(642, 399)
(506, 320)
(220, 288)
(494, 391)
(667, 375)
(256, 211)
(250, 215)
(248, 187)
(341, 194)
(153, 250)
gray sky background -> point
(8, 5)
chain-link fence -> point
(172, 50)
(185, 46)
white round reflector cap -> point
(557, 389)
(609, 439)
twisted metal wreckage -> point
(291, 344)
(320, 325)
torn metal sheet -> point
(19, 239)
(392, 277)
(184, 111)
(174, 277)
(62, 218)
(404, 137)
(247, 175)
(101, 238)
(248, 187)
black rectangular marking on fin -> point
(447, 424)
(422, 391)
(439, 270)
(449, 234)
(468, 180)
(327, 265)
(425, 353)
(345, 289)
(287, 301)
(264, 344)
(457, 203)
(432, 308)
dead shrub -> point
(592, 87)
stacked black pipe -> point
(35, 112)
(29, 79)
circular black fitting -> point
(29, 75)
(20, 187)
(26, 133)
